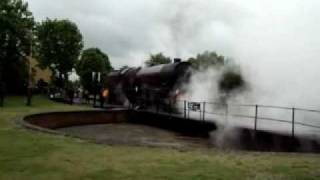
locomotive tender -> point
(159, 85)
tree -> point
(231, 80)
(59, 46)
(92, 60)
(207, 59)
(156, 59)
(16, 25)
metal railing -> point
(222, 110)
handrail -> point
(307, 125)
(273, 119)
(224, 110)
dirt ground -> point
(134, 134)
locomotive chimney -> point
(176, 60)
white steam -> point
(276, 43)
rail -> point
(255, 112)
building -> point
(38, 73)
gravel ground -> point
(134, 134)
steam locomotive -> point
(160, 85)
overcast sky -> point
(129, 30)
(276, 42)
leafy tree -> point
(230, 81)
(207, 59)
(156, 59)
(92, 60)
(59, 46)
(16, 25)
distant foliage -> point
(16, 25)
(206, 60)
(156, 59)
(92, 60)
(59, 45)
(231, 78)
(230, 81)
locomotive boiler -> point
(159, 85)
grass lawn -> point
(26, 154)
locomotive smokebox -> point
(176, 60)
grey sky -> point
(276, 42)
(129, 30)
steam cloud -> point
(276, 43)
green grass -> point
(26, 154)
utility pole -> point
(1, 84)
(29, 85)
(94, 79)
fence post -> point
(200, 112)
(170, 107)
(94, 98)
(157, 105)
(185, 109)
(204, 111)
(256, 119)
(293, 111)
(188, 111)
(226, 113)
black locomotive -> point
(160, 85)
